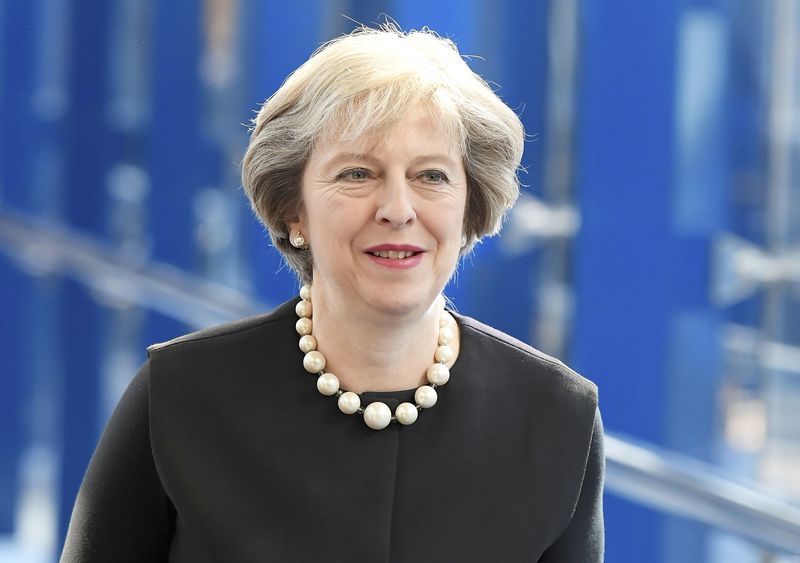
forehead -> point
(420, 129)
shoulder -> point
(545, 405)
(516, 363)
(230, 333)
(227, 364)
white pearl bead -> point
(377, 415)
(446, 319)
(349, 402)
(438, 374)
(327, 384)
(303, 308)
(308, 343)
(446, 336)
(303, 326)
(406, 413)
(314, 362)
(443, 354)
(425, 396)
(305, 292)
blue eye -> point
(354, 174)
(433, 177)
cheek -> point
(455, 220)
(332, 228)
(321, 218)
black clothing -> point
(222, 449)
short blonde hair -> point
(362, 84)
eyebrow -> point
(437, 157)
(338, 157)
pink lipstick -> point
(401, 256)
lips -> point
(394, 254)
(394, 251)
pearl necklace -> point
(377, 415)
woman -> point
(429, 436)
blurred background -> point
(656, 246)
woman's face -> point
(384, 219)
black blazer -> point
(222, 449)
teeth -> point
(393, 254)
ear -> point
(298, 222)
(297, 225)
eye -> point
(354, 174)
(433, 177)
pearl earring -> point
(299, 241)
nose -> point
(395, 205)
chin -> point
(399, 302)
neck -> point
(375, 351)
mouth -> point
(394, 254)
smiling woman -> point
(377, 165)
(363, 203)
(355, 89)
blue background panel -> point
(123, 122)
